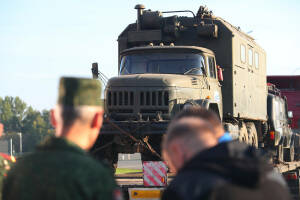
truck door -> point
(215, 86)
(278, 116)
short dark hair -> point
(201, 113)
(186, 130)
(69, 115)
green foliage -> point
(17, 117)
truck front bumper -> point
(135, 128)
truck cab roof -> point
(181, 49)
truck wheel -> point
(243, 135)
(289, 154)
(252, 135)
(296, 146)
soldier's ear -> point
(98, 120)
(52, 118)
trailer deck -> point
(133, 186)
(287, 166)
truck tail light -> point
(291, 176)
(272, 135)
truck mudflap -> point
(141, 128)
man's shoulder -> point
(64, 161)
(193, 176)
(68, 168)
(194, 184)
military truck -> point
(280, 135)
(168, 63)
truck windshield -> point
(162, 63)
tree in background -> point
(18, 117)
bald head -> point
(203, 114)
(80, 124)
(190, 130)
(186, 137)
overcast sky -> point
(42, 40)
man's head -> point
(78, 115)
(204, 114)
(185, 137)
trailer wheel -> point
(289, 154)
(252, 135)
(243, 134)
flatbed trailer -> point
(291, 173)
(287, 166)
(132, 184)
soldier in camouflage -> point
(60, 167)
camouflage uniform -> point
(57, 170)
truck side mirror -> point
(290, 114)
(95, 70)
(220, 73)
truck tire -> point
(297, 146)
(252, 134)
(289, 154)
(243, 134)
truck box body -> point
(244, 86)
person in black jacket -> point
(210, 170)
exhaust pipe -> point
(139, 9)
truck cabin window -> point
(162, 63)
(211, 65)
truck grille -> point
(155, 98)
(144, 102)
(120, 98)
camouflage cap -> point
(79, 92)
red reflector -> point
(272, 135)
(294, 177)
(291, 176)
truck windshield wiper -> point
(191, 70)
